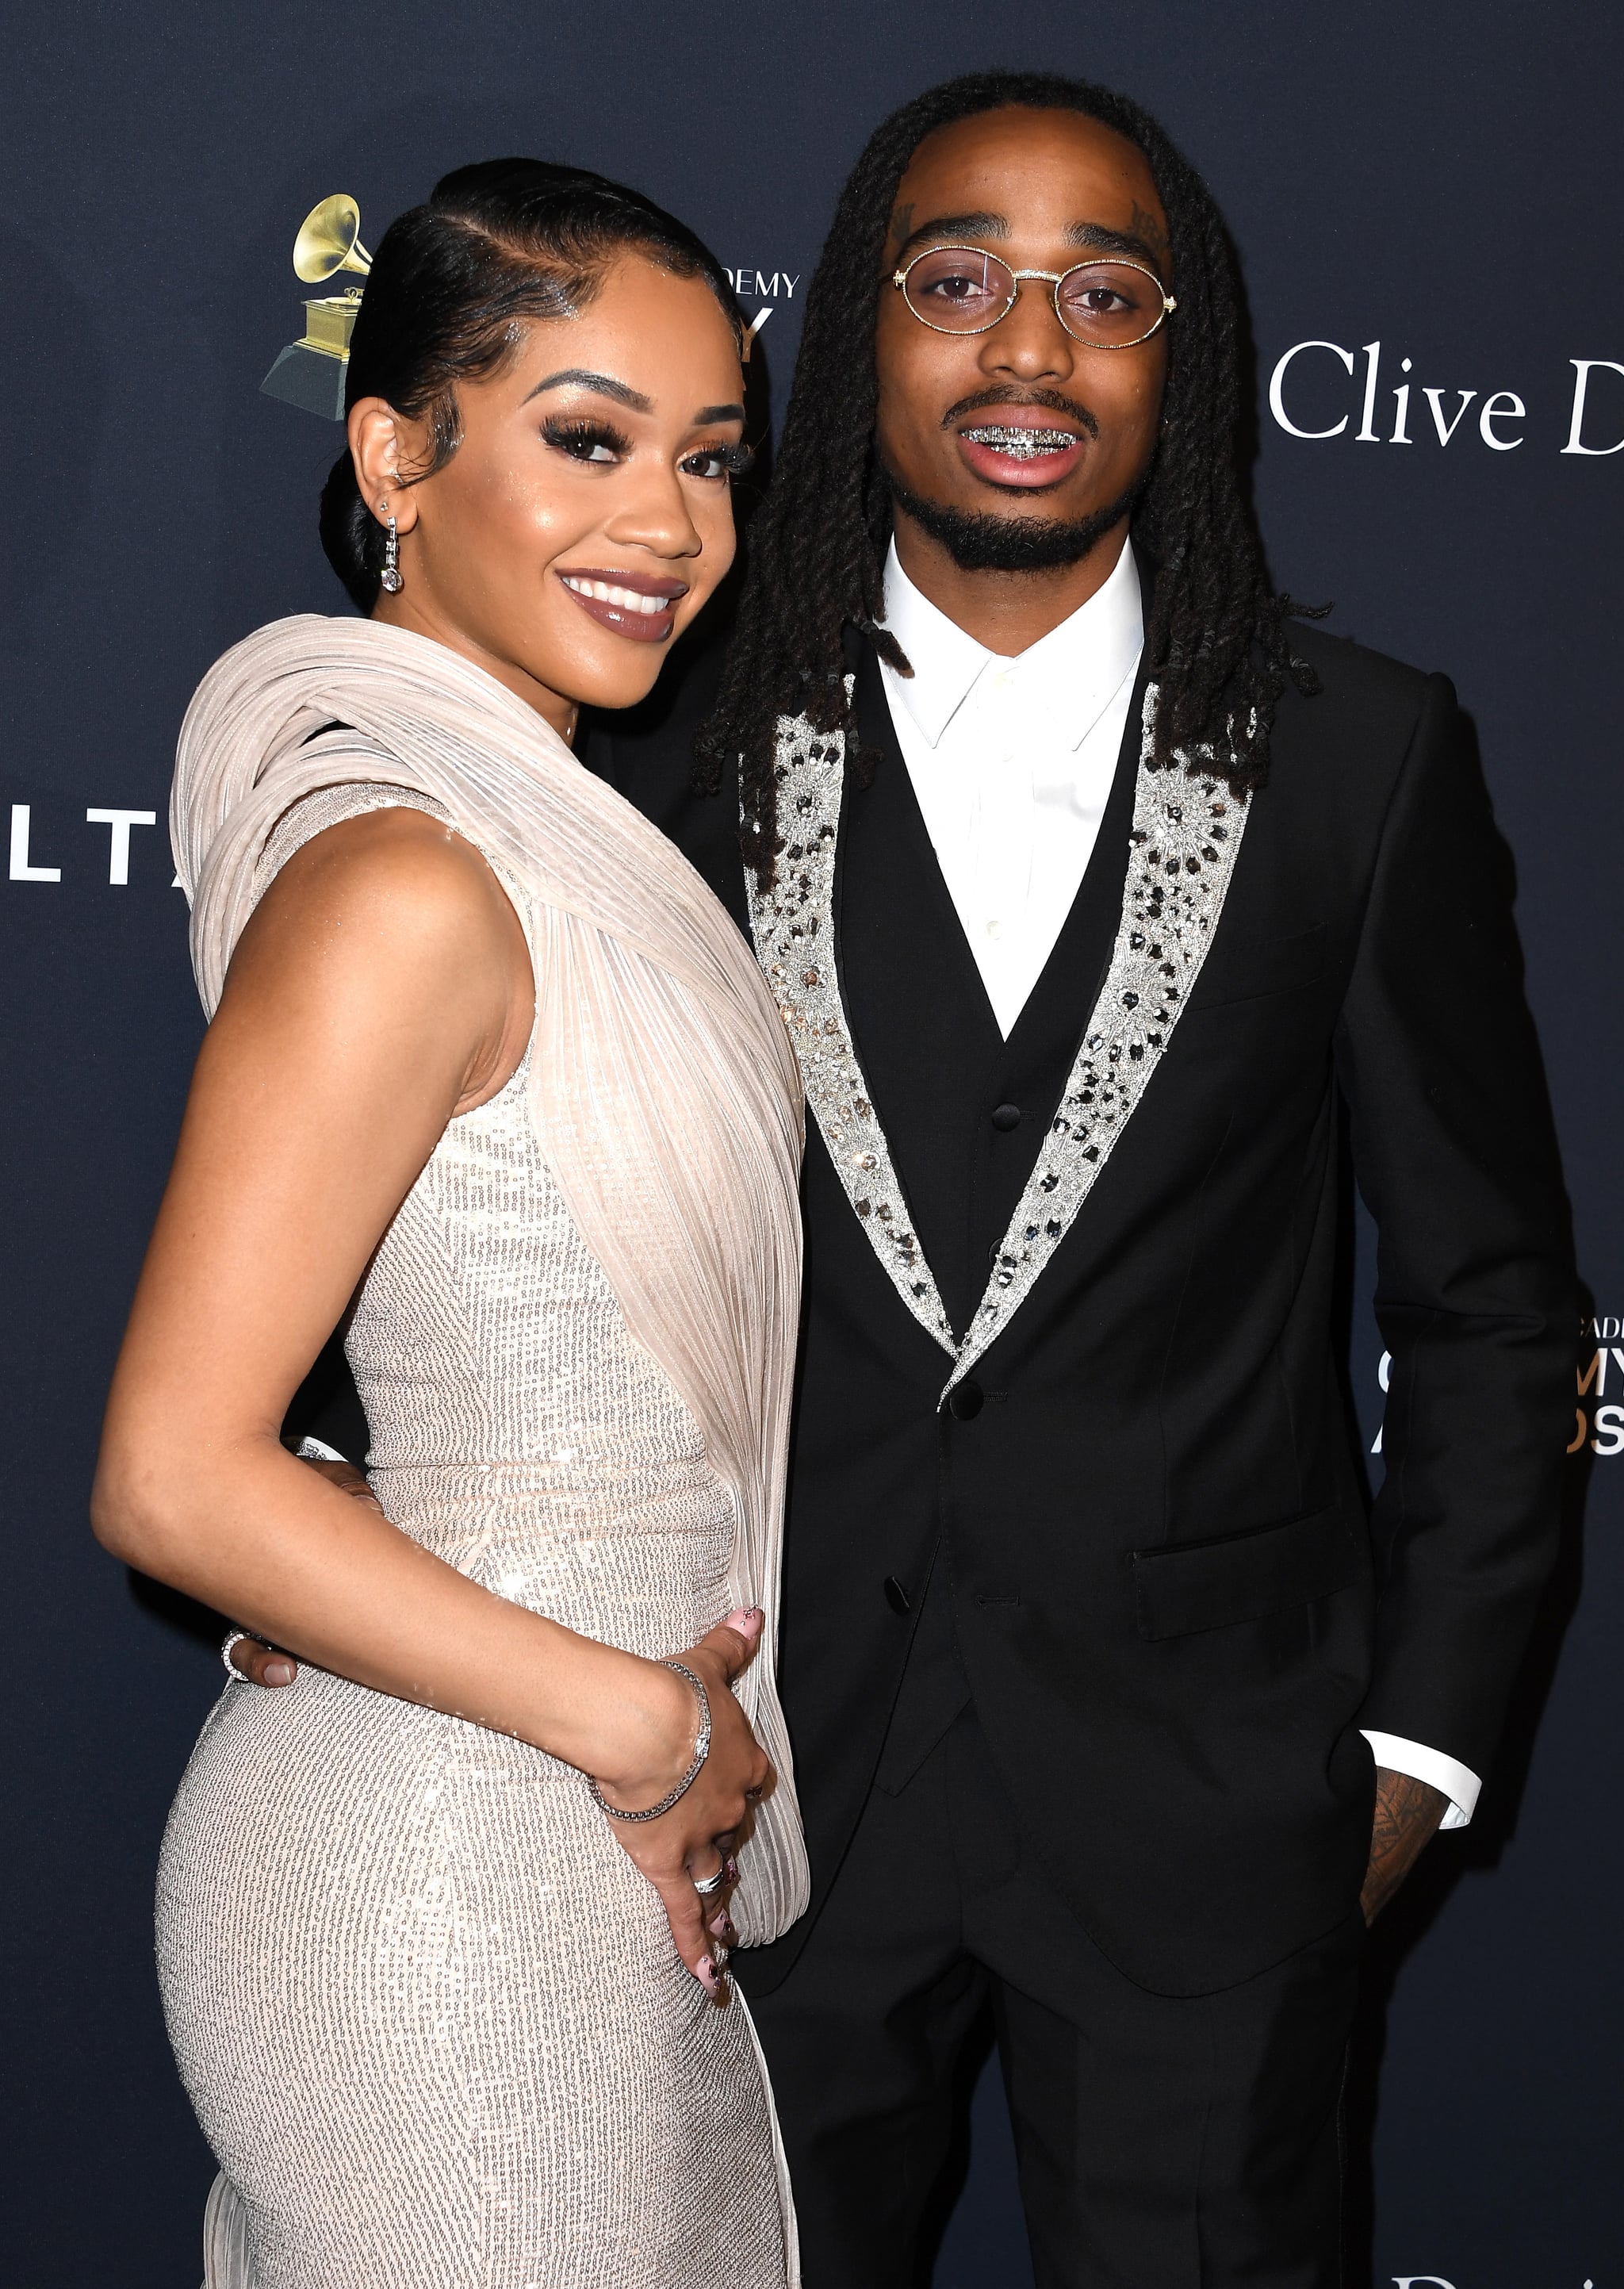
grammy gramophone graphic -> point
(311, 371)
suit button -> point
(1006, 1116)
(897, 1597)
(965, 1401)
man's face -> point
(1044, 190)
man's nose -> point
(1029, 341)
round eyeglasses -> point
(963, 290)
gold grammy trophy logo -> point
(311, 371)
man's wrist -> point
(1406, 1819)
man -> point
(1088, 886)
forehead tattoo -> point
(1150, 228)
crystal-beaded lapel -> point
(1185, 839)
(793, 928)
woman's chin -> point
(614, 682)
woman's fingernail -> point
(721, 1928)
(278, 1672)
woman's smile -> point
(634, 605)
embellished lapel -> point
(793, 925)
(1185, 839)
(921, 1025)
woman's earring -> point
(389, 579)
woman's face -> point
(585, 517)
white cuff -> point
(313, 1450)
(1455, 1781)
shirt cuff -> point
(316, 1450)
(1457, 1782)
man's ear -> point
(376, 447)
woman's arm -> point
(382, 986)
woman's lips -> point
(629, 603)
(1020, 453)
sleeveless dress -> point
(429, 2014)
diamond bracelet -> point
(701, 1750)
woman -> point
(490, 1068)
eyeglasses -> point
(964, 290)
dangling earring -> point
(389, 579)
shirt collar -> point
(1071, 675)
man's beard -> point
(979, 543)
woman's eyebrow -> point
(605, 385)
(709, 413)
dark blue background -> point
(1443, 180)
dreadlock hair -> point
(1216, 642)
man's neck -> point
(1007, 612)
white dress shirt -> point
(1012, 761)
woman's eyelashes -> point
(600, 445)
(586, 440)
(719, 462)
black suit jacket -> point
(1146, 1554)
(1148, 1548)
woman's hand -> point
(697, 1837)
(654, 1746)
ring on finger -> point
(705, 1885)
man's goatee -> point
(981, 543)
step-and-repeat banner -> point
(1428, 208)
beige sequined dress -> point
(429, 2014)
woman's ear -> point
(376, 443)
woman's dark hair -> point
(1216, 640)
(450, 286)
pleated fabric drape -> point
(664, 1088)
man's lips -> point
(630, 604)
(1020, 453)
(1014, 438)
(1022, 445)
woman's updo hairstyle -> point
(452, 283)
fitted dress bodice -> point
(516, 1429)
(430, 2014)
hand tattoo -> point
(1407, 1814)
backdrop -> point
(1428, 208)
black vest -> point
(963, 1108)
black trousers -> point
(1163, 2143)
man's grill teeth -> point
(1021, 445)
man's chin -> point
(979, 541)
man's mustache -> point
(1051, 401)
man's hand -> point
(251, 1657)
(1407, 1814)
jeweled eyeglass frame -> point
(1053, 279)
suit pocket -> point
(1245, 972)
(1183, 1587)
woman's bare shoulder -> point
(394, 895)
